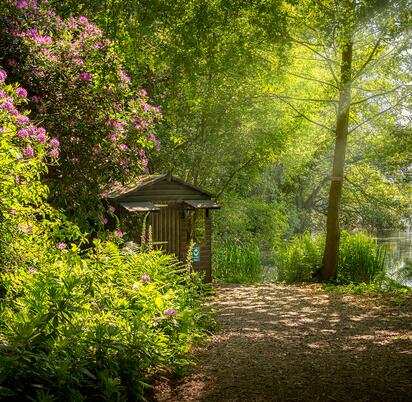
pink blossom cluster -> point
(28, 134)
(105, 125)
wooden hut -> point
(177, 212)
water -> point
(399, 248)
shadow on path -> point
(291, 343)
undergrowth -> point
(236, 263)
(93, 328)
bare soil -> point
(299, 343)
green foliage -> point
(236, 262)
(78, 90)
(94, 327)
(389, 289)
(360, 259)
(299, 259)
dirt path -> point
(289, 343)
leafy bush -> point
(76, 86)
(360, 259)
(77, 325)
(94, 327)
(236, 263)
(298, 260)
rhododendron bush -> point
(79, 319)
(24, 150)
(77, 88)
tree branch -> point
(303, 115)
(311, 79)
(377, 95)
(367, 61)
(232, 175)
(303, 99)
(375, 115)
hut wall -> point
(171, 225)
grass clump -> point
(298, 260)
(235, 262)
(360, 259)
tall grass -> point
(236, 263)
(299, 259)
(361, 259)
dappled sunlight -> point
(297, 343)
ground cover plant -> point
(94, 327)
(79, 319)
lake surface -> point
(399, 248)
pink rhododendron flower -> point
(41, 138)
(104, 220)
(21, 119)
(119, 233)
(41, 130)
(105, 194)
(123, 147)
(7, 105)
(85, 76)
(32, 130)
(54, 153)
(61, 246)
(3, 76)
(17, 180)
(2, 94)
(145, 278)
(113, 138)
(54, 142)
(21, 92)
(116, 124)
(12, 212)
(124, 77)
(28, 152)
(22, 133)
(83, 20)
(143, 92)
(170, 312)
(112, 208)
(36, 98)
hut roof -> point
(142, 182)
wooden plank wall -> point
(169, 224)
(166, 227)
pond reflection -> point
(398, 244)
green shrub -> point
(360, 259)
(236, 263)
(298, 260)
(94, 327)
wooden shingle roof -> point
(142, 182)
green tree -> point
(358, 46)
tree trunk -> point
(330, 255)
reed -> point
(234, 262)
(361, 259)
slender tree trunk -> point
(330, 255)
